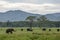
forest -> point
(32, 21)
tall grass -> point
(25, 35)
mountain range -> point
(53, 16)
(19, 15)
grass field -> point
(36, 34)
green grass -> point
(25, 35)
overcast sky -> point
(34, 6)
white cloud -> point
(44, 8)
(35, 1)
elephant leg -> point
(11, 32)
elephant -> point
(29, 29)
(44, 29)
(10, 30)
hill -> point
(18, 15)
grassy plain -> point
(36, 34)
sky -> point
(33, 6)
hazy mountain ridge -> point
(18, 15)
(53, 17)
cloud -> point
(34, 1)
(44, 8)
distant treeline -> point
(32, 21)
(27, 24)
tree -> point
(43, 18)
(42, 21)
(9, 24)
(30, 20)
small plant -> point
(49, 29)
(21, 29)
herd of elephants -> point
(11, 30)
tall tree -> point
(9, 24)
(42, 21)
(30, 19)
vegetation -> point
(43, 29)
(32, 21)
(37, 34)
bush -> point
(21, 29)
(49, 29)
